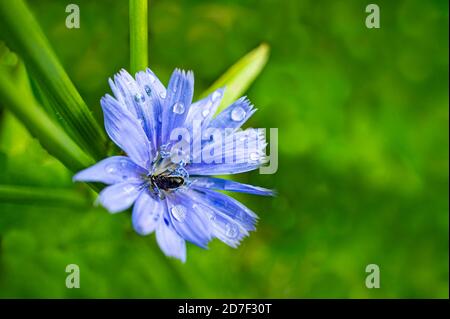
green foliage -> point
(22, 33)
(22, 104)
(363, 163)
(238, 78)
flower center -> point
(165, 175)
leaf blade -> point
(31, 114)
(22, 33)
(238, 78)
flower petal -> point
(126, 131)
(231, 186)
(111, 170)
(226, 228)
(168, 239)
(155, 94)
(204, 109)
(187, 221)
(235, 115)
(147, 212)
(118, 197)
(179, 98)
(220, 169)
(226, 205)
(241, 147)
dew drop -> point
(111, 169)
(165, 151)
(123, 163)
(231, 230)
(148, 90)
(159, 118)
(151, 78)
(178, 108)
(205, 112)
(139, 98)
(254, 156)
(162, 94)
(128, 189)
(238, 114)
(216, 95)
(179, 213)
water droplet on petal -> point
(139, 98)
(148, 90)
(162, 94)
(231, 230)
(155, 215)
(254, 156)
(238, 114)
(205, 112)
(111, 169)
(178, 108)
(128, 188)
(164, 151)
(159, 118)
(123, 163)
(151, 78)
(179, 212)
(216, 95)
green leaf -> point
(22, 33)
(42, 195)
(238, 78)
(138, 35)
(52, 137)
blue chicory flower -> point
(176, 200)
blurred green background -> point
(363, 154)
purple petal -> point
(229, 230)
(220, 169)
(204, 109)
(189, 223)
(179, 98)
(227, 185)
(168, 239)
(147, 212)
(111, 170)
(235, 115)
(155, 94)
(118, 197)
(226, 205)
(126, 131)
(233, 153)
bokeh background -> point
(363, 154)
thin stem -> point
(138, 35)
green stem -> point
(41, 195)
(23, 34)
(51, 136)
(138, 35)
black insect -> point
(167, 182)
